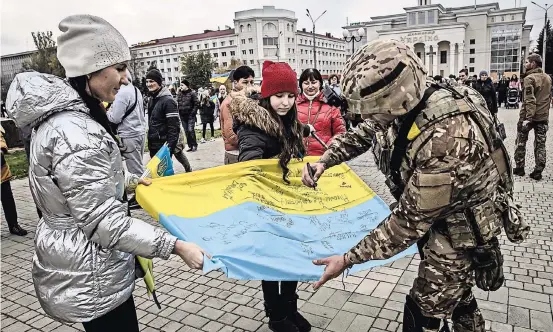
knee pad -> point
(415, 321)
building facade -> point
(260, 34)
(477, 37)
(12, 64)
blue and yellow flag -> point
(160, 165)
(257, 227)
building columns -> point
(460, 56)
(435, 59)
(427, 57)
(451, 58)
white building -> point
(12, 64)
(476, 37)
(258, 35)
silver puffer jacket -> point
(85, 244)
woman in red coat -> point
(313, 110)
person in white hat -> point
(85, 244)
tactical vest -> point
(402, 141)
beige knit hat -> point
(88, 44)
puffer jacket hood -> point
(246, 111)
(34, 96)
(85, 242)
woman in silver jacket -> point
(84, 265)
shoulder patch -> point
(528, 90)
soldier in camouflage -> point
(534, 114)
(447, 174)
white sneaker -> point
(202, 140)
(212, 139)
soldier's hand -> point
(335, 265)
(525, 124)
(317, 169)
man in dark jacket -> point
(188, 107)
(163, 119)
(534, 114)
(485, 87)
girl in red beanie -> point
(268, 128)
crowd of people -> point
(87, 241)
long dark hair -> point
(291, 139)
(97, 111)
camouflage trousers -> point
(540, 133)
(442, 288)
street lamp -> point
(352, 37)
(314, 46)
(544, 34)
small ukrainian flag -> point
(160, 165)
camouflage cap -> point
(384, 76)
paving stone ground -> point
(367, 301)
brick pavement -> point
(371, 301)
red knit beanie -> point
(278, 77)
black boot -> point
(17, 230)
(278, 322)
(518, 171)
(536, 175)
(295, 317)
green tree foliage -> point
(197, 68)
(46, 59)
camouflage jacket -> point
(447, 168)
(537, 96)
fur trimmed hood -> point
(246, 111)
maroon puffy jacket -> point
(327, 120)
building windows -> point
(268, 41)
(288, 39)
(162, 70)
(250, 40)
(182, 49)
(170, 79)
(241, 28)
(493, 19)
(224, 54)
(161, 61)
(215, 64)
(206, 45)
(251, 62)
(419, 55)
(231, 42)
(222, 43)
(176, 69)
(292, 40)
(147, 53)
(421, 18)
(190, 47)
(141, 54)
(503, 18)
(249, 27)
(288, 27)
(289, 50)
(301, 41)
(471, 60)
(215, 55)
(224, 64)
(472, 51)
(473, 41)
(245, 62)
(198, 46)
(168, 60)
(153, 52)
(431, 19)
(166, 50)
(443, 56)
(244, 52)
(214, 44)
(232, 53)
(169, 69)
(142, 63)
(243, 41)
(512, 17)
(471, 70)
(412, 18)
(301, 51)
(505, 49)
(251, 51)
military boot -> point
(294, 316)
(518, 171)
(278, 321)
(536, 175)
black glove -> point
(487, 261)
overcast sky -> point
(141, 20)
